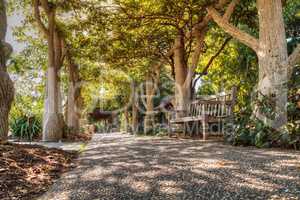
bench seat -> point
(199, 118)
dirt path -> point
(125, 167)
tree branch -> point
(230, 9)
(215, 56)
(204, 71)
(45, 5)
(37, 15)
(243, 37)
(199, 32)
(204, 21)
(195, 59)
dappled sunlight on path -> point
(120, 166)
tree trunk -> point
(73, 114)
(52, 120)
(126, 115)
(52, 125)
(149, 115)
(182, 93)
(135, 121)
(74, 98)
(6, 99)
(6, 84)
(273, 56)
(271, 50)
(58, 51)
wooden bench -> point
(202, 112)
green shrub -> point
(290, 137)
(249, 131)
(256, 133)
(26, 127)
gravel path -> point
(125, 167)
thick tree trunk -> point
(182, 93)
(271, 50)
(52, 120)
(149, 115)
(273, 56)
(58, 53)
(183, 73)
(6, 84)
(52, 124)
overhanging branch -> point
(215, 56)
(243, 37)
(37, 16)
(204, 71)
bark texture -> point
(74, 101)
(273, 56)
(182, 94)
(149, 114)
(6, 84)
(271, 50)
(53, 121)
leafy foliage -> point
(118, 42)
(26, 127)
(249, 130)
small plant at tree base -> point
(26, 127)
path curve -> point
(121, 167)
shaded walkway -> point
(125, 167)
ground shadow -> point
(124, 167)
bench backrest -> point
(218, 106)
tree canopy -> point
(186, 48)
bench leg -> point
(191, 128)
(196, 132)
(205, 129)
(185, 128)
